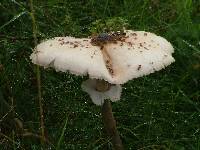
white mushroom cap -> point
(71, 54)
(140, 53)
(114, 93)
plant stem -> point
(108, 118)
(38, 73)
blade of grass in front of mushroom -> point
(34, 29)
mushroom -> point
(109, 62)
(139, 53)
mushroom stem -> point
(108, 118)
(110, 125)
(102, 85)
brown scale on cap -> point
(134, 34)
(130, 44)
(94, 53)
(139, 67)
(36, 51)
(61, 39)
(62, 43)
(76, 42)
(165, 55)
(75, 45)
(67, 42)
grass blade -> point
(62, 134)
(13, 19)
(40, 100)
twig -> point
(2, 118)
(38, 74)
(30, 134)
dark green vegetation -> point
(157, 112)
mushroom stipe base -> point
(108, 118)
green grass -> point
(156, 112)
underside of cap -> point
(97, 97)
(138, 54)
